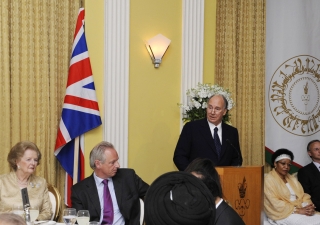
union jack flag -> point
(80, 112)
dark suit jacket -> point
(196, 141)
(128, 186)
(309, 177)
(225, 215)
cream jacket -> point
(10, 193)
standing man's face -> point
(110, 166)
(216, 109)
(314, 152)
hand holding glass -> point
(83, 217)
(69, 216)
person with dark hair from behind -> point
(204, 169)
(309, 175)
(284, 199)
(179, 198)
(11, 219)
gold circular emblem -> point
(294, 95)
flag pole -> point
(76, 160)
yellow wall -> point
(94, 29)
(209, 41)
(154, 117)
(154, 93)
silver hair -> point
(224, 99)
(97, 153)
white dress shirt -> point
(117, 217)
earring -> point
(18, 167)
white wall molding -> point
(192, 46)
(116, 76)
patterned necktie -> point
(217, 142)
(107, 205)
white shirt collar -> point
(97, 179)
(217, 205)
(212, 126)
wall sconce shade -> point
(156, 47)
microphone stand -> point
(237, 151)
(26, 205)
(27, 214)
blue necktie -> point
(217, 142)
(107, 205)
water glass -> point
(94, 223)
(83, 217)
(69, 216)
(18, 209)
(34, 213)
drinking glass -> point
(94, 223)
(34, 213)
(18, 209)
(69, 216)
(83, 217)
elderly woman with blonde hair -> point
(23, 158)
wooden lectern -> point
(243, 189)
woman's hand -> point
(308, 210)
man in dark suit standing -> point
(309, 176)
(123, 186)
(209, 138)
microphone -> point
(237, 151)
(26, 205)
(25, 197)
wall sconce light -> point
(156, 47)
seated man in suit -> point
(209, 138)
(110, 194)
(205, 171)
(309, 176)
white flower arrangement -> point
(197, 101)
